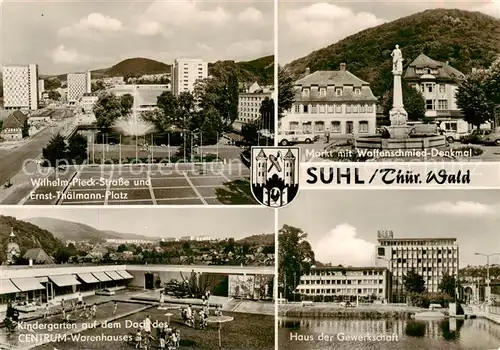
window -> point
(330, 108)
(314, 109)
(429, 87)
(294, 125)
(338, 108)
(442, 88)
(369, 108)
(338, 91)
(443, 104)
(319, 127)
(336, 126)
(306, 108)
(297, 108)
(362, 109)
(355, 108)
(322, 108)
(322, 92)
(357, 91)
(305, 92)
(429, 104)
(363, 126)
(348, 108)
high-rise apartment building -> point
(78, 84)
(41, 88)
(20, 87)
(428, 257)
(186, 72)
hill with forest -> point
(259, 240)
(27, 235)
(463, 38)
(260, 69)
(75, 231)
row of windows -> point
(431, 105)
(252, 98)
(418, 243)
(335, 127)
(431, 87)
(333, 108)
(248, 109)
(339, 91)
(350, 273)
(343, 281)
(346, 291)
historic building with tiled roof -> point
(13, 126)
(337, 102)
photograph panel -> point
(402, 270)
(134, 102)
(148, 278)
(389, 81)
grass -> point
(246, 331)
(236, 192)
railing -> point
(495, 310)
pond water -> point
(327, 333)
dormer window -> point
(305, 91)
(322, 91)
(338, 92)
(357, 91)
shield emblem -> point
(275, 175)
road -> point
(11, 162)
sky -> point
(342, 225)
(161, 222)
(68, 35)
(306, 26)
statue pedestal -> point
(399, 128)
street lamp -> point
(487, 272)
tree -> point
(475, 100)
(77, 149)
(62, 255)
(107, 110)
(448, 285)
(267, 114)
(413, 282)
(413, 101)
(55, 151)
(54, 95)
(295, 258)
(168, 105)
(286, 91)
(97, 86)
(26, 128)
(250, 133)
(127, 102)
(122, 248)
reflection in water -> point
(323, 333)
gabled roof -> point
(15, 121)
(446, 72)
(38, 255)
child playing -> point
(115, 306)
(138, 339)
(47, 310)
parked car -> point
(106, 291)
(493, 138)
(476, 136)
(452, 136)
(293, 136)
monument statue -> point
(397, 60)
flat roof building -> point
(185, 73)
(20, 87)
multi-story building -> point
(14, 127)
(249, 103)
(428, 257)
(333, 101)
(438, 82)
(337, 283)
(20, 87)
(186, 72)
(87, 102)
(145, 95)
(78, 84)
(41, 88)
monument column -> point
(397, 114)
(397, 99)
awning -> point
(125, 274)
(114, 275)
(7, 287)
(64, 280)
(27, 284)
(101, 276)
(43, 279)
(88, 278)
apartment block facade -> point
(185, 73)
(78, 85)
(20, 87)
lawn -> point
(245, 332)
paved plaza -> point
(174, 184)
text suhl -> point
(328, 175)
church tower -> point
(261, 162)
(13, 250)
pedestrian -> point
(47, 310)
(327, 136)
(115, 306)
(80, 299)
(147, 325)
(162, 298)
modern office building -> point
(337, 283)
(249, 103)
(334, 101)
(145, 95)
(78, 84)
(185, 73)
(20, 87)
(41, 88)
(429, 257)
(87, 102)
